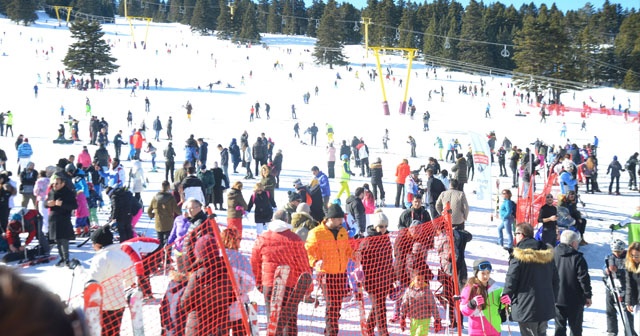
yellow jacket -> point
(334, 252)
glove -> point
(478, 299)
(505, 299)
(437, 326)
(403, 324)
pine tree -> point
(631, 81)
(90, 54)
(203, 19)
(471, 51)
(249, 31)
(328, 49)
(274, 21)
(188, 7)
(22, 11)
(225, 26)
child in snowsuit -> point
(419, 305)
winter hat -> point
(303, 207)
(205, 247)
(618, 245)
(297, 183)
(378, 218)
(294, 196)
(567, 164)
(415, 172)
(481, 265)
(102, 236)
(615, 157)
(335, 211)
(415, 222)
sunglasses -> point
(383, 226)
(484, 266)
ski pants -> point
(336, 290)
(571, 315)
(612, 314)
(399, 193)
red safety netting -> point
(529, 205)
(219, 282)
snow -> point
(223, 114)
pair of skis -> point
(611, 285)
(93, 299)
(277, 295)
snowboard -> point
(93, 296)
(134, 298)
(277, 296)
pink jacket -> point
(84, 158)
(40, 189)
(331, 152)
(478, 323)
(369, 203)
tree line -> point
(542, 47)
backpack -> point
(514, 208)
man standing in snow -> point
(157, 126)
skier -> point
(189, 108)
(293, 113)
(296, 130)
(425, 121)
(615, 266)
(169, 128)
(146, 104)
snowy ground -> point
(223, 114)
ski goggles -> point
(484, 266)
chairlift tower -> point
(130, 20)
(410, 55)
(67, 9)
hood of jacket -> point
(565, 250)
(533, 251)
(371, 231)
(278, 226)
(352, 200)
(376, 165)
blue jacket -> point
(190, 153)
(567, 182)
(80, 183)
(506, 209)
(24, 150)
(323, 182)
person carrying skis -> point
(277, 246)
(615, 266)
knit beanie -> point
(335, 211)
(102, 236)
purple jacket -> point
(180, 228)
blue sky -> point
(563, 5)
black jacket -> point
(102, 156)
(60, 226)
(435, 187)
(406, 217)
(121, 205)
(203, 152)
(356, 209)
(633, 287)
(264, 206)
(344, 149)
(532, 282)
(574, 281)
(376, 173)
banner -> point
(482, 165)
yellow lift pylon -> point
(130, 20)
(385, 104)
(65, 8)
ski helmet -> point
(344, 157)
(618, 245)
(70, 168)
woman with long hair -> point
(632, 278)
(481, 300)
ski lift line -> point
(559, 83)
(442, 36)
(609, 66)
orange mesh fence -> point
(529, 205)
(219, 283)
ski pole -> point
(482, 321)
